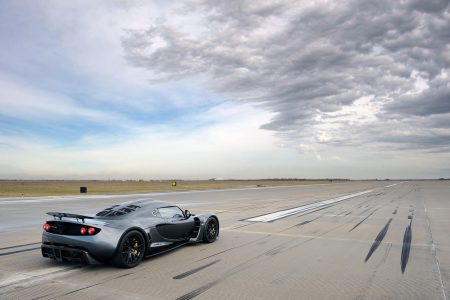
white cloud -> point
(234, 147)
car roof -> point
(131, 206)
(146, 203)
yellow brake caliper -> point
(136, 245)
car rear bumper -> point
(67, 254)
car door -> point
(175, 225)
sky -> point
(224, 89)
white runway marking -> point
(305, 208)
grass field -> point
(28, 188)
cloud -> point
(432, 101)
(168, 89)
(232, 147)
(310, 63)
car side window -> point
(172, 212)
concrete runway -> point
(385, 241)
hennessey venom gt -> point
(125, 233)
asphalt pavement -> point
(353, 240)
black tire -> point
(130, 251)
(211, 230)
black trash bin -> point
(83, 189)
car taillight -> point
(46, 227)
(83, 230)
(91, 230)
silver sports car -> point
(125, 233)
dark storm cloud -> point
(435, 100)
(303, 61)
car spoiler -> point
(66, 215)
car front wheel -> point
(211, 230)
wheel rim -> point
(211, 230)
(132, 249)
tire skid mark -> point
(377, 194)
(251, 262)
(360, 222)
(403, 196)
(195, 270)
(345, 212)
(18, 246)
(366, 210)
(332, 229)
(307, 213)
(304, 222)
(274, 251)
(363, 294)
(378, 240)
(242, 226)
(319, 235)
(309, 221)
(406, 247)
(235, 247)
(363, 202)
(245, 265)
(19, 251)
(40, 297)
(198, 291)
(89, 286)
(304, 209)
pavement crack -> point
(436, 259)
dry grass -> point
(72, 187)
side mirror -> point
(187, 214)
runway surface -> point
(355, 240)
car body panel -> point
(160, 233)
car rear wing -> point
(66, 215)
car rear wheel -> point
(130, 251)
(211, 230)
